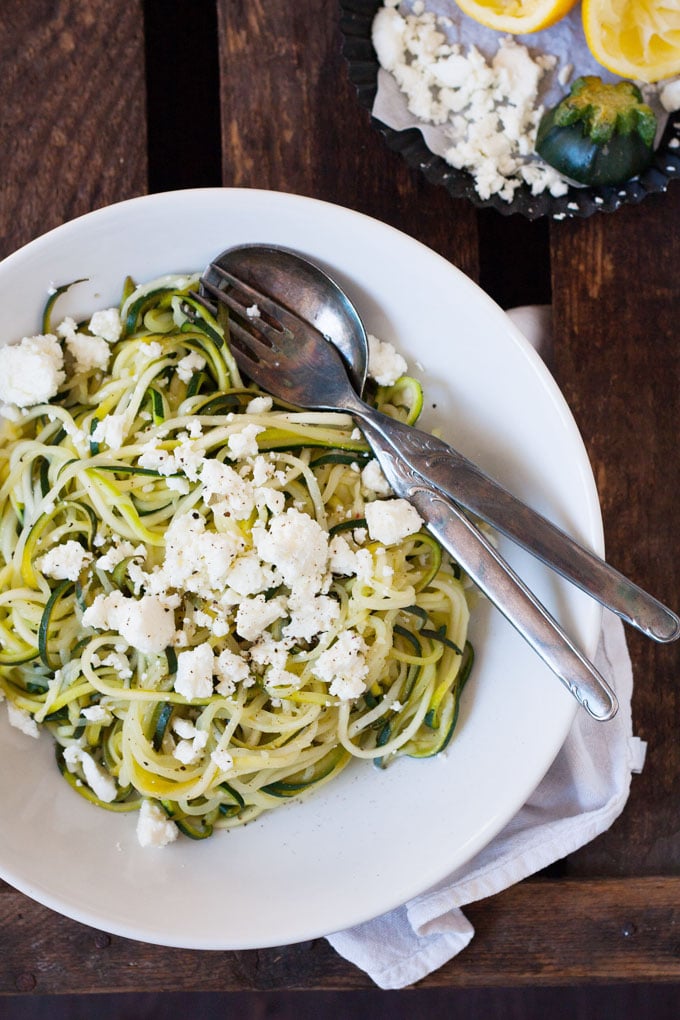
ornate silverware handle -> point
(459, 536)
(444, 468)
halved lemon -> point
(634, 38)
(517, 16)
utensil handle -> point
(483, 564)
(445, 469)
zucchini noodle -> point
(192, 601)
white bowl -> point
(371, 840)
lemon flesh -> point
(637, 39)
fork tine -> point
(272, 332)
(270, 308)
(264, 303)
(250, 342)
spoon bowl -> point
(303, 288)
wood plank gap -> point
(183, 109)
(514, 255)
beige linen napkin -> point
(582, 794)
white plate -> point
(373, 839)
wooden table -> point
(102, 101)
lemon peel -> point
(516, 16)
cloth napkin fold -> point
(582, 794)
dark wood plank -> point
(609, 930)
(72, 119)
(291, 122)
(616, 356)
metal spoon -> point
(305, 289)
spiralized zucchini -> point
(107, 508)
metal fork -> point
(290, 359)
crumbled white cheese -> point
(97, 714)
(154, 828)
(106, 323)
(273, 655)
(344, 666)
(391, 520)
(310, 616)
(190, 749)
(248, 575)
(184, 728)
(234, 495)
(97, 778)
(244, 443)
(341, 556)
(385, 364)
(146, 624)
(10, 412)
(189, 457)
(31, 371)
(263, 470)
(149, 351)
(110, 430)
(22, 720)
(180, 485)
(490, 110)
(670, 96)
(259, 405)
(120, 663)
(65, 561)
(296, 545)
(373, 480)
(191, 363)
(117, 553)
(222, 759)
(88, 352)
(195, 669)
(270, 499)
(255, 614)
(197, 560)
(152, 459)
(230, 669)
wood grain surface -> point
(78, 130)
(72, 116)
(538, 933)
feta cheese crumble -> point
(31, 371)
(110, 430)
(22, 720)
(385, 364)
(100, 782)
(65, 561)
(373, 480)
(344, 666)
(88, 352)
(489, 110)
(191, 363)
(195, 668)
(297, 546)
(392, 520)
(147, 624)
(106, 323)
(154, 828)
